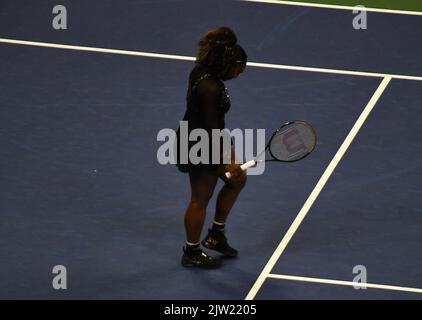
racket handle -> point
(244, 166)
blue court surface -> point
(80, 184)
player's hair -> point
(219, 51)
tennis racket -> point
(293, 141)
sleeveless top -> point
(207, 102)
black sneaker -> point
(199, 259)
(216, 240)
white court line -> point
(188, 58)
(339, 7)
(94, 49)
(335, 71)
(316, 191)
(345, 283)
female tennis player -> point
(219, 59)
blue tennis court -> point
(80, 184)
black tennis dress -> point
(207, 103)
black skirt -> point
(200, 167)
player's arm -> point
(209, 102)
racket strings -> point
(293, 142)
